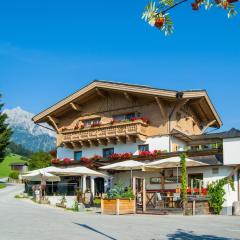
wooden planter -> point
(118, 206)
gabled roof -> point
(131, 89)
(232, 133)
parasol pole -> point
(131, 177)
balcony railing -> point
(106, 131)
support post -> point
(84, 183)
(144, 196)
(117, 206)
(93, 186)
(102, 206)
(193, 207)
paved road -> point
(22, 220)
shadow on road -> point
(95, 230)
(183, 235)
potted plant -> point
(119, 200)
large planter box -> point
(118, 206)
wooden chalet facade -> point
(106, 122)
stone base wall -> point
(201, 208)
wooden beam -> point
(180, 104)
(54, 122)
(130, 138)
(162, 107)
(128, 97)
(102, 141)
(208, 125)
(76, 107)
(100, 93)
(69, 145)
(76, 144)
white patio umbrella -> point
(77, 171)
(46, 169)
(40, 175)
(173, 162)
(125, 165)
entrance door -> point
(99, 186)
(140, 194)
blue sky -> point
(49, 49)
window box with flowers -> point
(55, 161)
(152, 154)
(67, 161)
(120, 156)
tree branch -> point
(173, 6)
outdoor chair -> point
(159, 201)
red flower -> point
(55, 161)
(96, 157)
(66, 161)
(154, 153)
(121, 156)
(85, 160)
(143, 119)
(204, 191)
(76, 127)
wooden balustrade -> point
(126, 130)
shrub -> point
(14, 174)
(120, 192)
(216, 193)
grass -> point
(5, 164)
(2, 186)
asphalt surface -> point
(24, 220)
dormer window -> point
(91, 122)
(122, 117)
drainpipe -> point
(179, 96)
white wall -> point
(180, 143)
(159, 143)
(231, 151)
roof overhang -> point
(131, 89)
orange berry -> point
(159, 22)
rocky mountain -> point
(31, 136)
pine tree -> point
(5, 132)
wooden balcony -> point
(104, 134)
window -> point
(122, 117)
(77, 155)
(144, 147)
(89, 122)
(107, 152)
(194, 179)
(215, 170)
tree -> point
(5, 132)
(18, 149)
(184, 181)
(157, 13)
(39, 160)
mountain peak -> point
(24, 128)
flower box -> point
(118, 206)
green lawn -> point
(4, 166)
(2, 186)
